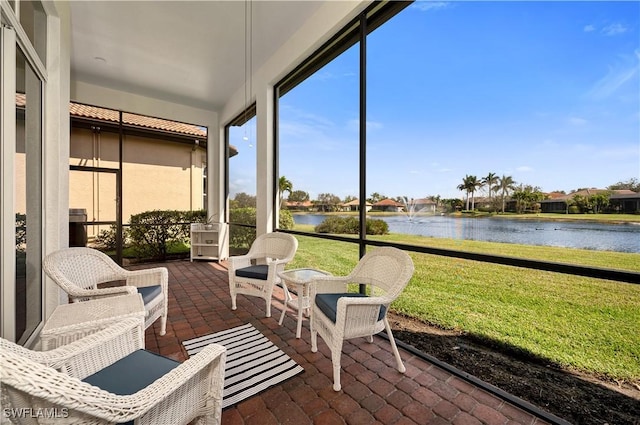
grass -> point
(576, 322)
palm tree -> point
(284, 185)
(490, 181)
(463, 186)
(473, 184)
(436, 199)
(470, 184)
(505, 184)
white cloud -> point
(616, 77)
(524, 169)
(430, 5)
(577, 121)
(621, 152)
(589, 28)
(614, 29)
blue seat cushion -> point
(132, 373)
(149, 293)
(254, 272)
(328, 304)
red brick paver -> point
(373, 391)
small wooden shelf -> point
(206, 241)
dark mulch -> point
(576, 397)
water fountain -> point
(411, 208)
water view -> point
(582, 235)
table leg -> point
(300, 308)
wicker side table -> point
(70, 322)
(300, 279)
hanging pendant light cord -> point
(248, 62)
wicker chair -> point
(256, 273)
(60, 386)
(338, 315)
(78, 271)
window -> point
(28, 201)
(241, 181)
(319, 144)
(34, 22)
(484, 122)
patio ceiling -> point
(187, 52)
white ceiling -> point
(188, 52)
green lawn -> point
(577, 322)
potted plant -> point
(209, 222)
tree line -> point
(499, 190)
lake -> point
(583, 235)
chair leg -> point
(284, 311)
(268, 307)
(336, 353)
(163, 324)
(314, 336)
(394, 347)
(233, 301)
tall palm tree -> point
(284, 185)
(505, 184)
(490, 181)
(470, 184)
(473, 183)
(463, 186)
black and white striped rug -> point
(253, 362)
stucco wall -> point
(156, 175)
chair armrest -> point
(328, 285)
(99, 293)
(274, 267)
(359, 316)
(148, 277)
(239, 261)
(105, 346)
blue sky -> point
(545, 92)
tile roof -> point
(388, 203)
(355, 202)
(556, 196)
(94, 112)
(104, 114)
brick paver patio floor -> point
(373, 391)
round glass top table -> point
(298, 279)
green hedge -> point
(240, 237)
(351, 226)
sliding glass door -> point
(21, 184)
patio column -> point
(265, 169)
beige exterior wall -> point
(156, 175)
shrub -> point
(350, 225)
(377, 227)
(106, 239)
(241, 237)
(286, 220)
(153, 232)
(574, 209)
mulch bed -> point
(576, 397)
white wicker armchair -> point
(338, 314)
(256, 273)
(46, 387)
(78, 271)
